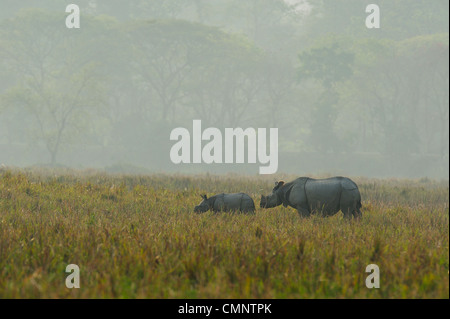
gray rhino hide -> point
(323, 196)
(233, 202)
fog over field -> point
(346, 99)
(235, 149)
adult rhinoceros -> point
(323, 196)
(225, 203)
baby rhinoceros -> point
(239, 202)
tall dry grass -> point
(137, 237)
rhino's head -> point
(273, 199)
(203, 206)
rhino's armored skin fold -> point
(239, 202)
(309, 196)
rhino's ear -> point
(278, 185)
(204, 197)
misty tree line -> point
(137, 69)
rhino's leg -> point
(250, 211)
(348, 212)
(350, 204)
(303, 212)
(247, 210)
(347, 208)
(357, 213)
(247, 206)
(219, 205)
(351, 211)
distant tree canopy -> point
(138, 68)
(400, 19)
(57, 77)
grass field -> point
(137, 237)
